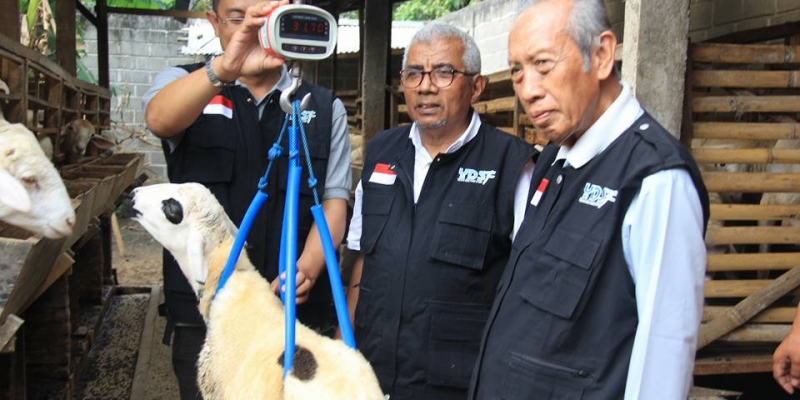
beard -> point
(433, 125)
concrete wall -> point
(139, 47)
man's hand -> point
(786, 362)
(244, 55)
(303, 282)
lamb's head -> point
(187, 220)
(76, 136)
(32, 194)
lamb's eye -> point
(30, 181)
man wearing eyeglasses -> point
(433, 220)
(218, 121)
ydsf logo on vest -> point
(597, 196)
(469, 175)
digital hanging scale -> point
(299, 32)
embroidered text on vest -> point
(597, 196)
(469, 175)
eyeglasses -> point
(233, 21)
(441, 77)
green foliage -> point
(423, 10)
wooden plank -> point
(701, 393)
(770, 315)
(745, 54)
(752, 261)
(751, 182)
(732, 288)
(753, 212)
(749, 307)
(753, 235)
(61, 266)
(746, 79)
(157, 13)
(757, 333)
(140, 375)
(503, 104)
(741, 104)
(9, 328)
(9, 20)
(733, 364)
(745, 156)
(745, 130)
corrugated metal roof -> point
(202, 41)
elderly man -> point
(603, 292)
(218, 121)
(434, 219)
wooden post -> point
(9, 20)
(101, 10)
(375, 52)
(65, 36)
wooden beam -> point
(9, 20)
(65, 37)
(745, 156)
(751, 182)
(157, 13)
(745, 54)
(102, 43)
(752, 261)
(752, 235)
(754, 212)
(86, 13)
(377, 17)
(742, 104)
(746, 130)
(746, 79)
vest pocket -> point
(462, 234)
(210, 151)
(557, 277)
(532, 378)
(455, 336)
(375, 210)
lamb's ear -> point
(232, 229)
(196, 255)
(12, 193)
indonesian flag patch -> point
(537, 196)
(383, 175)
(219, 105)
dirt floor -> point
(141, 266)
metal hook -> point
(285, 101)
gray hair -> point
(586, 22)
(437, 31)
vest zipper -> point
(580, 373)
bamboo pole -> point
(745, 130)
(745, 156)
(752, 235)
(745, 54)
(753, 212)
(751, 182)
(740, 104)
(752, 261)
(746, 79)
(770, 315)
(757, 333)
(749, 307)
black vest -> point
(229, 156)
(431, 269)
(563, 322)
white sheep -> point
(243, 351)
(32, 194)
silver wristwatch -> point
(212, 76)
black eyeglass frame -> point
(452, 71)
(235, 21)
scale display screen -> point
(301, 25)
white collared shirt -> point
(662, 241)
(422, 163)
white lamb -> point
(243, 351)
(32, 194)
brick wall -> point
(139, 47)
(713, 18)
